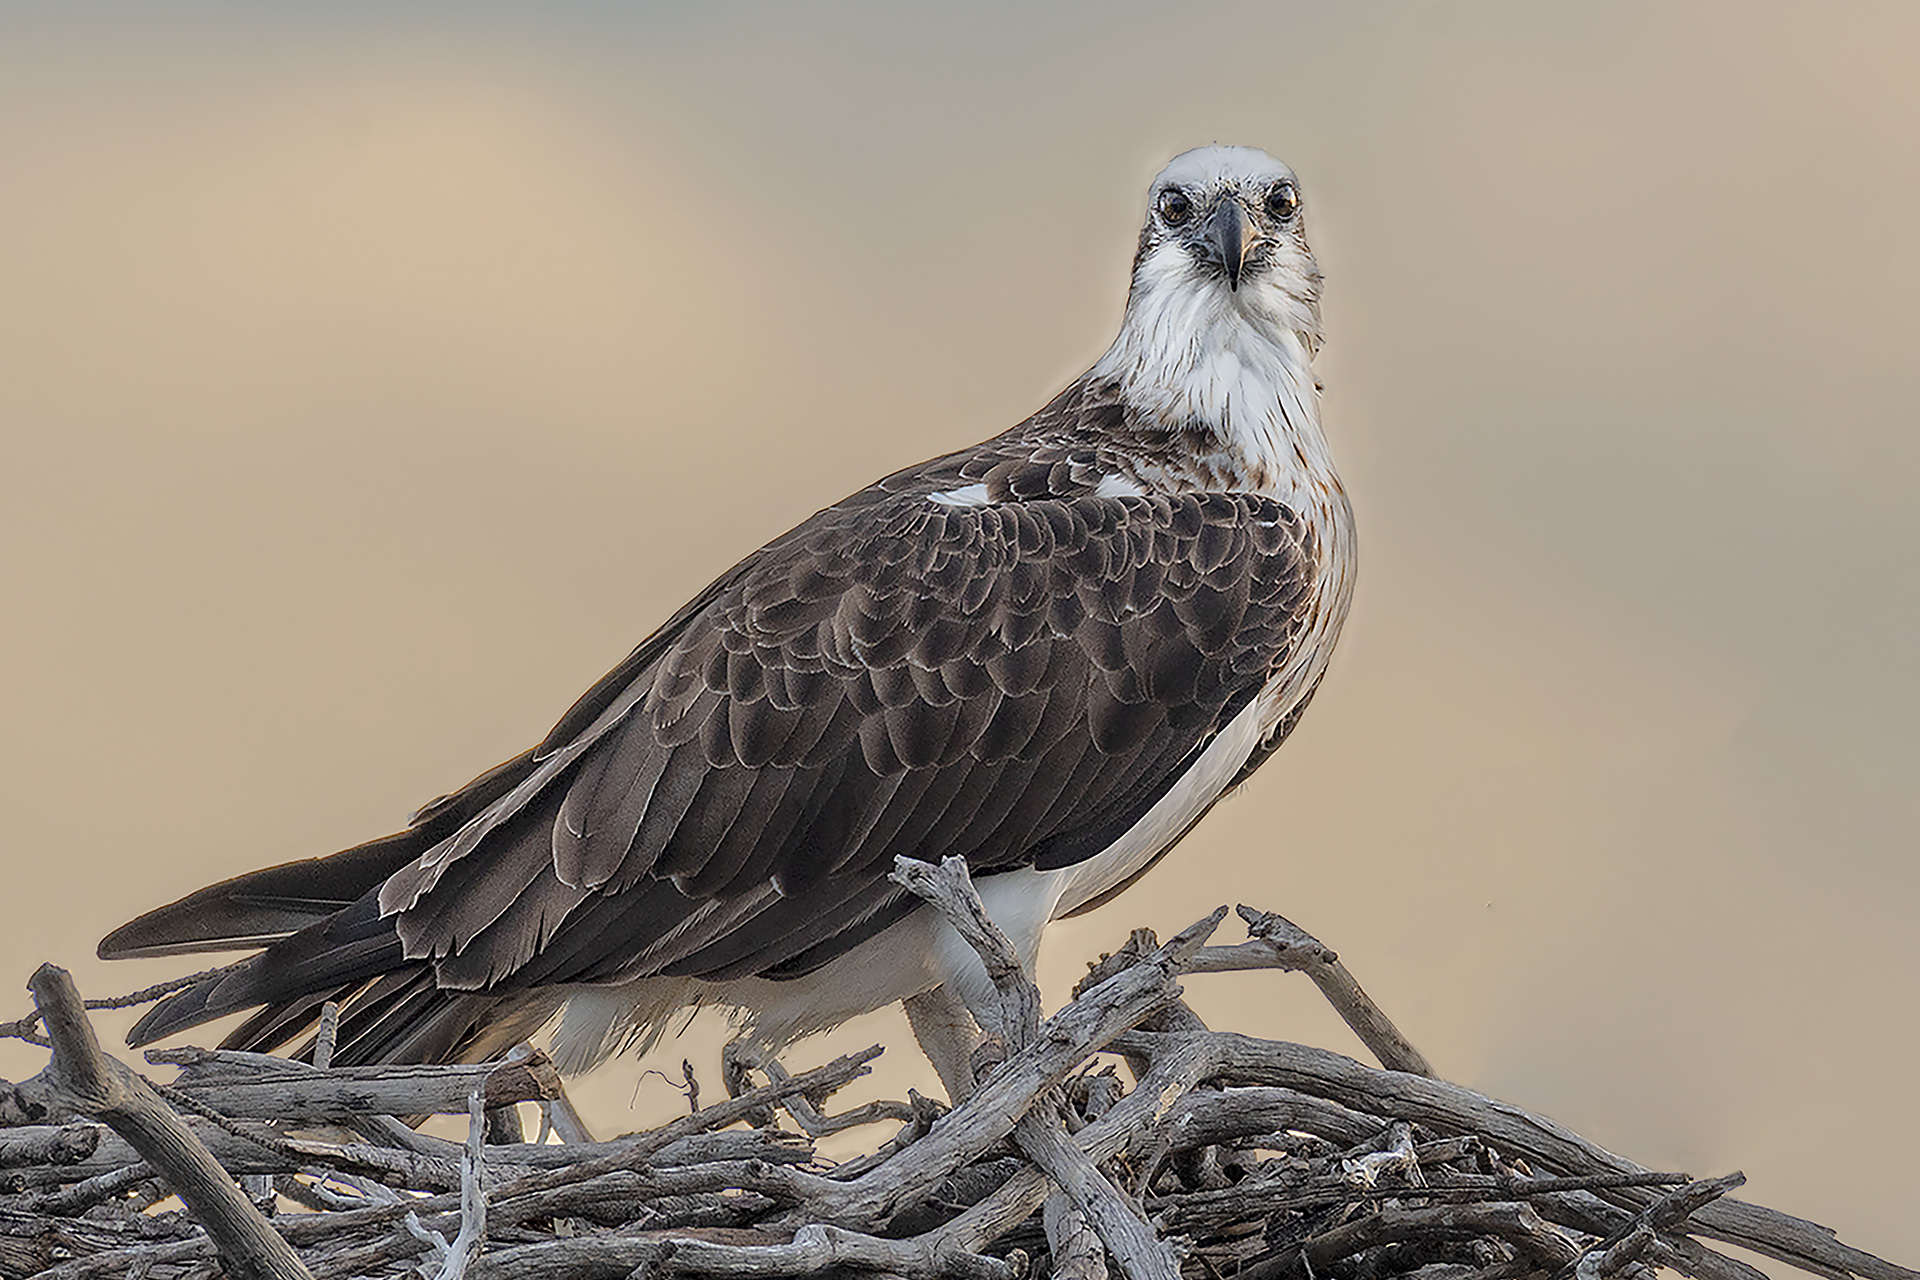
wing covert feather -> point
(1008, 683)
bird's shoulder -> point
(1065, 466)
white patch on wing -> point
(1115, 485)
(967, 495)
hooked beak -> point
(1229, 231)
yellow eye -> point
(1174, 206)
(1283, 201)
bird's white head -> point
(1224, 230)
(1223, 316)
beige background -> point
(370, 383)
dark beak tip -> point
(1230, 240)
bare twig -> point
(742, 1054)
(63, 1144)
(298, 1092)
(473, 1192)
(1141, 1254)
(27, 1028)
(1669, 1212)
(815, 1249)
(991, 1113)
(329, 1032)
(950, 890)
(147, 995)
(1451, 1108)
(1275, 942)
(81, 1196)
(1516, 1224)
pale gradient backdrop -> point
(370, 383)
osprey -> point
(1048, 654)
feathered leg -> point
(948, 1036)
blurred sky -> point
(374, 377)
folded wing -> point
(1015, 683)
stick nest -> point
(1121, 1136)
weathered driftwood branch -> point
(1517, 1224)
(1142, 1255)
(1632, 1240)
(1275, 942)
(1078, 1252)
(744, 1054)
(1256, 1158)
(66, 1144)
(1016, 1017)
(258, 1086)
(1063, 1042)
(1449, 1108)
(473, 1192)
(815, 1249)
(92, 1083)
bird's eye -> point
(1283, 200)
(1174, 206)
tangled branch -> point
(1228, 1156)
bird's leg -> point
(948, 1036)
(740, 1056)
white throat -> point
(1193, 356)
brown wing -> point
(1014, 684)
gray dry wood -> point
(1141, 1254)
(1450, 1108)
(1255, 1158)
(66, 1144)
(99, 1086)
(306, 1094)
(1064, 1041)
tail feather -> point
(266, 906)
(392, 1009)
(324, 938)
(347, 948)
(384, 1014)
(278, 1026)
(262, 907)
(407, 1017)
